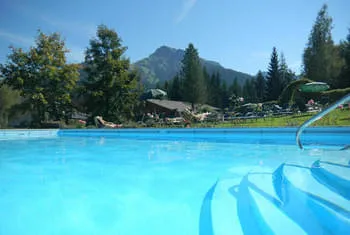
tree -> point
(292, 96)
(234, 101)
(224, 95)
(214, 90)
(192, 76)
(217, 90)
(344, 79)
(166, 86)
(8, 98)
(321, 61)
(112, 89)
(207, 82)
(211, 89)
(43, 77)
(249, 92)
(274, 84)
(287, 75)
(175, 89)
(260, 85)
(235, 88)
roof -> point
(170, 104)
(79, 115)
(178, 105)
(209, 107)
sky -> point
(239, 34)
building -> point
(166, 108)
(170, 108)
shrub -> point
(334, 95)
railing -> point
(318, 116)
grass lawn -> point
(335, 118)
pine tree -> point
(344, 78)
(206, 77)
(321, 62)
(214, 90)
(192, 76)
(112, 89)
(260, 85)
(287, 75)
(166, 86)
(274, 84)
(235, 88)
(208, 86)
(224, 96)
(175, 89)
(249, 92)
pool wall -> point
(318, 135)
(332, 136)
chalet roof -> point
(177, 105)
(170, 104)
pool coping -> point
(27, 133)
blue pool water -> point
(174, 182)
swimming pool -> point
(174, 181)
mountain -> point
(165, 63)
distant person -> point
(100, 123)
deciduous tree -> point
(8, 98)
(43, 77)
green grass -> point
(334, 118)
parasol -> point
(314, 87)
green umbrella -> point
(314, 87)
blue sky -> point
(239, 34)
